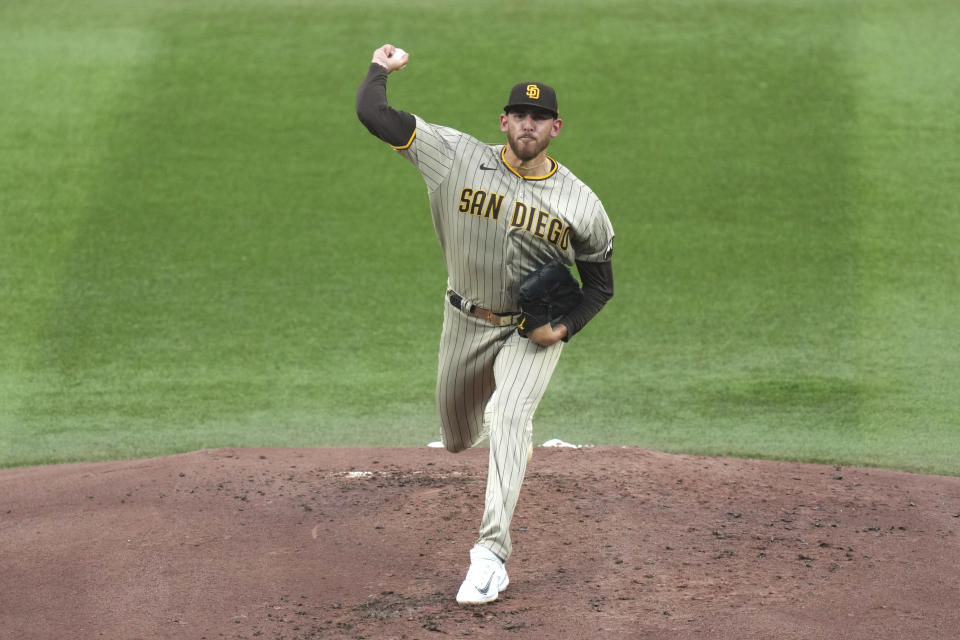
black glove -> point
(545, 295)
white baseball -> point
(398, 53)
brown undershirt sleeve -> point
(390, 125)
(597, 279)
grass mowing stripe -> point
(907, 139)
(60, 80)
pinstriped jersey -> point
(494, 225)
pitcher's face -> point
(529, 131)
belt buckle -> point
(458, 302)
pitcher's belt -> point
(496, 319)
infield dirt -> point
(373, 543)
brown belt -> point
(496, 319)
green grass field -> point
(200, 245)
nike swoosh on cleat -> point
(484, 167)
(486, 588)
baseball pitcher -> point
(511, 222)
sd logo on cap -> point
(533, 94)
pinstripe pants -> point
(489, 383)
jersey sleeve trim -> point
(409, 142)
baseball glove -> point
(545, 295)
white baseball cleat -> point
(486, 578)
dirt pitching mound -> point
(373, 543)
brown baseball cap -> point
(533, 94)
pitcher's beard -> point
(526, 149)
